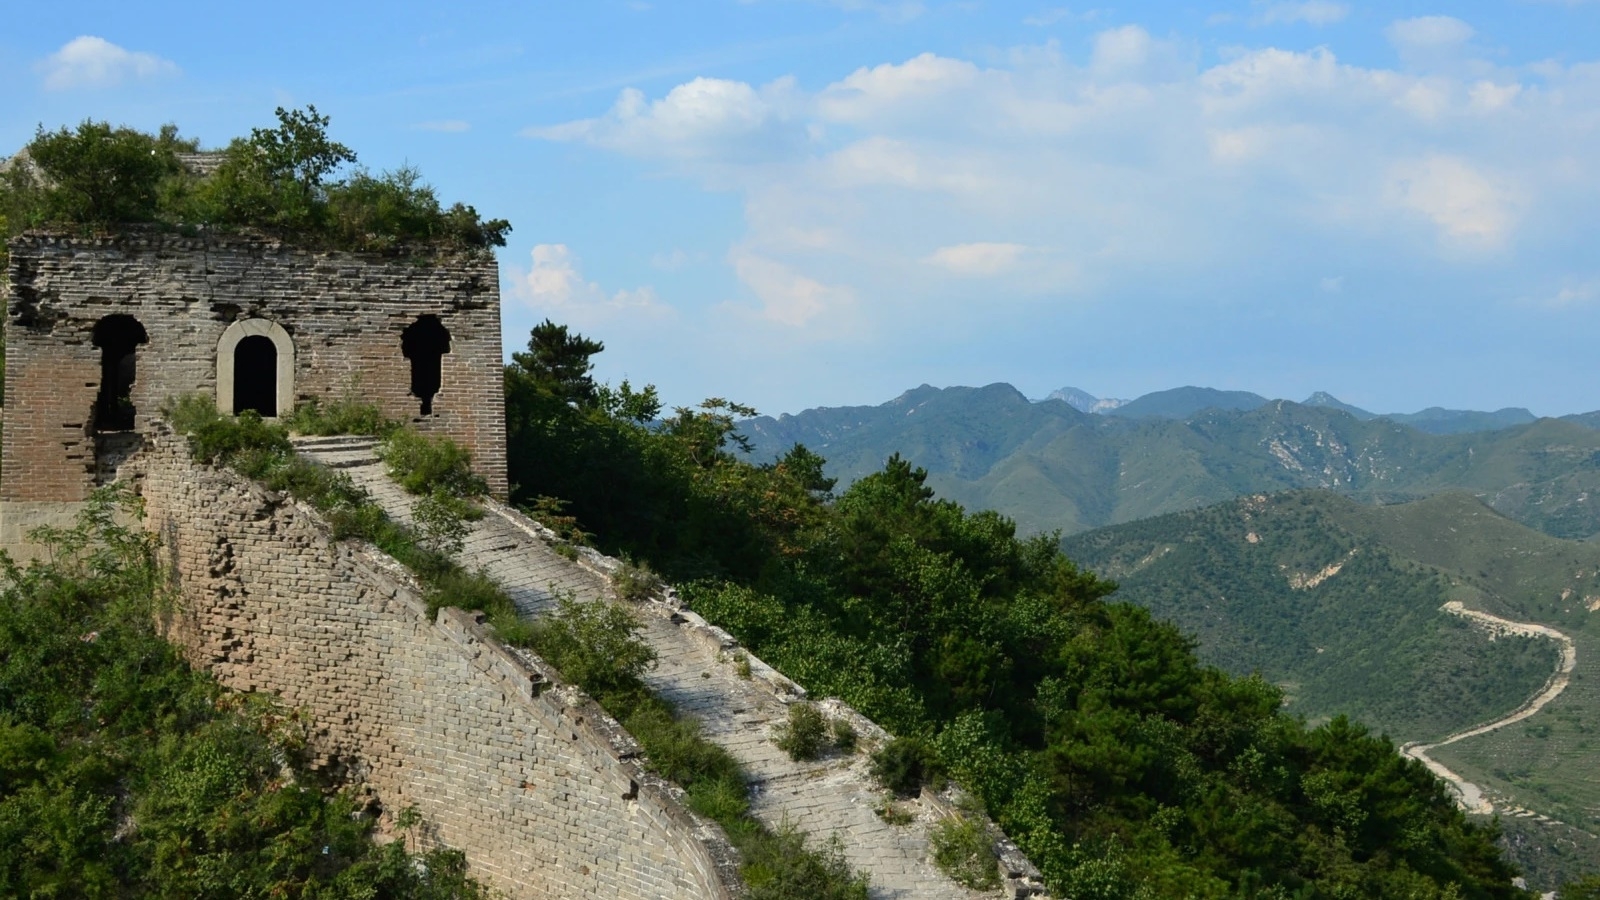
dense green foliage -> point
(1296, 586)
(1049, 466)
(1371, 641)
(124, 773)
(279, 181)
(1122, 765)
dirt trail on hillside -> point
(1468, 794)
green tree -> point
(558, 364)
(98, 175)
(276, 178)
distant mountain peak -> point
(1083, 401)
(1183, 402)
(1329, 401)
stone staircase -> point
(698, 672)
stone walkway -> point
(696, 673)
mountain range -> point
(1051, 466)
(1180, 403)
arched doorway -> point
(425, 342)
(118, 336)
(255, 368)
(255, 376)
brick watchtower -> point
(100, 331)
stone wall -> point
(343, 312)
(536, 784)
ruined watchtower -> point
(101, 330)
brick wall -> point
(345, 313)
(536, 784)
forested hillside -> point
(1050, 467)
(1123, 765)
(1340, 601)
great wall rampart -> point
(545, 794)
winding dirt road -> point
(1469, 795)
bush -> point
(805, 734)
(844, 736)
(280, 180)
(962, 850)
(424, 464)
(595, 645)
(904, 765)
(215, 438)
(98, 176)
(783, 868)
(440, 522)
(634, 581)
(343, 416)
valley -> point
(1437, 580)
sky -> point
(800, 203)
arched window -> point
(425, 342)
(255, 368)
(118, 337)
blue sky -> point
(794, 203)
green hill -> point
(1339, 602)
(1050, 466)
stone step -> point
(334, 441)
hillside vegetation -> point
(1124, 766)
(1340, 602)
(1050, 467)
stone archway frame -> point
(229, 343)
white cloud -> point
(93, 62)
(705, 117)
(1466, 204)
(866, 94)
(1129, 163)
(1312, 12)
(1570, 295)
(789, 298)
(447, 126)
(554, 286)
(1428, 32)
(1489, 97)
(981, 258)
(1332, 284)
